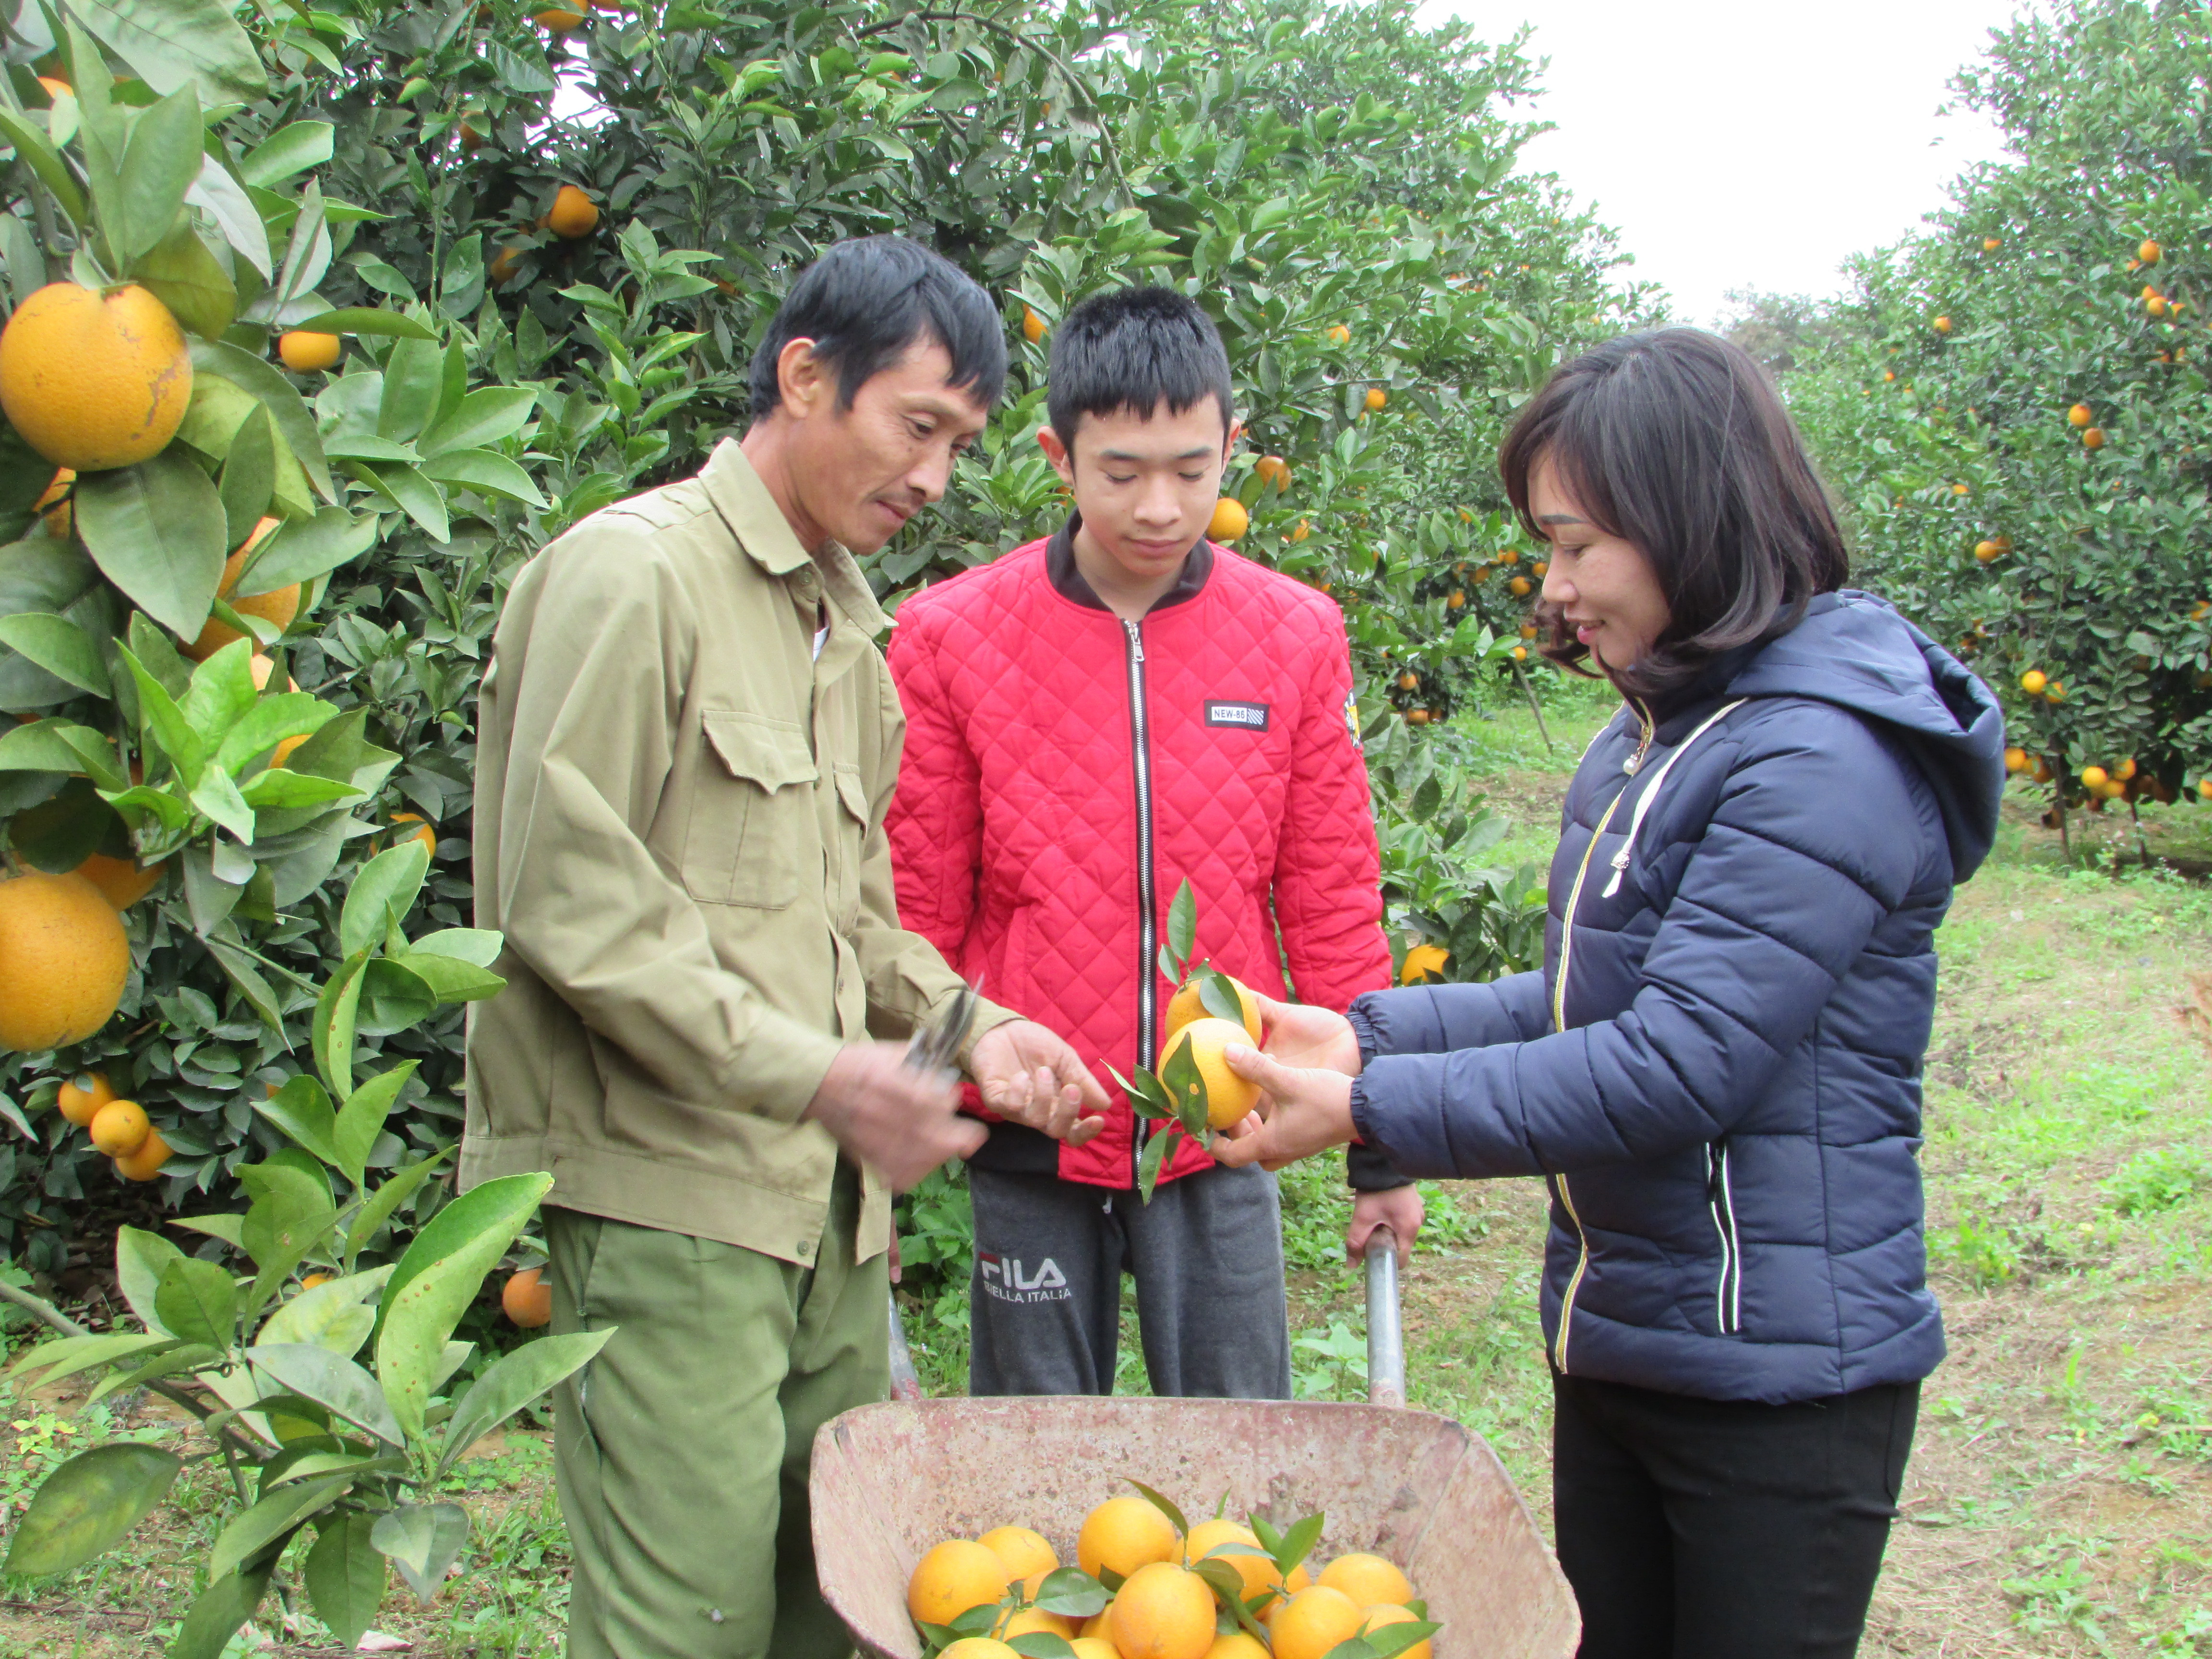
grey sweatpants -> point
(1045, 1300)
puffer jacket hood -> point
(1717, 1070)
(1854, 650)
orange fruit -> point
(573, 214)
(56, 87)
(56, 507)
(304, 350)
(1033, 1621)
(63, 960)
(1987, 551)
(429, 837)
(952, 1577)
(1303, 531)
(1888, 374)
(1339, 335)
(119, 1128)
(1416, 717)
(2204, 787)
(1274, 470)
(1229, 520)
(1257, 1572)
(1163, 1612)
(1236, 1645)
(2055, 692)
(1033, 328)
(2125, 770)
(93, 381)
(527, 1301)
(1028, 1556)
(1094, 1647)
(2080, 414)
(1229, 1098)
(1455, 599)
(2155, 305)
(1313, 1621)
(1184, 1006)
(1991, 245)
(2032, 682)
(2093, 438)
(1942, 325)
(2015, 759)
(313, 1279)
(146, 1162)
(278, 606)
(1367, 1579)
(121, 882)
(503, 265)
(1410, 682)
(263, 668)
(472, 138)
(83, 1095)
(2148, 253)
(1422, 961)
(980, 1647)
(1124, 1534)
(1376, 396)
(1388, 1614)
(1094, 1627)
(558, 19)
(2094, 776)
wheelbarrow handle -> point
(1386, 1337)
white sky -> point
(1737, 145)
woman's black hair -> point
(864, 301)
(1676, 440)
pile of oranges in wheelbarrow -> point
(1147, 1584)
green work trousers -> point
(681, 1450)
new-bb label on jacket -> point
(1252, 716)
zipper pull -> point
(1136, 640)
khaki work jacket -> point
(679, 828)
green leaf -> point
(164, 722)
(361, 1119)
(267, 383)
(176, 43)
(88, 1504)
(1165, 1506)
(220, 691)
(302, 1108)
(32, 145)
(345, 1576)
(39, 748)
(300, 550)
(1154, 1159)
(363, 1226)
(248, 475)
(512, 1382)
(239, 966)
(332, 1381)
(333, 1315)
(216, 1616)
(449, 979)
(58, 646)
(1072, 1593)
(140, 1260)
(281, 789)
(414, 387)
(412, 493)
(1385, 1642)
(51, 1362)
(62, 831)
(1041, 1645)
(484, 417)
(480, 945)
(270, 719)
(1182, 926)
(1186, 1088)
(426, 1295)
(156, 530)
(1217, 995)
(1297, 1543)
(197, 1301)
(288, 150)
(159, 164)
(272, 1520)
(383, 891)
(422, 1540)
(291, 1214)
(335, 1015)
(367, 320)
(485, 471)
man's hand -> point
(1398, 1208)
(900, 1123)
(1027, 1075)
(1304, 1038)
(1301, 1112)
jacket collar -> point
(1071, 585)
(766, 535)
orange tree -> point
(2015, 405)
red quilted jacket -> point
(1066, 771)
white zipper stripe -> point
(1651, 794)
(1734, 1271)
(1720, 1230)
(1147, 925)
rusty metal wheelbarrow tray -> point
(890, 1480)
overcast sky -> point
(1738, 145)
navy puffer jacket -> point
(1718, 1068)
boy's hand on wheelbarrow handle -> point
(900, 1123)
(1301, 1112)
(1027, 1073)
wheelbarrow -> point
(890, 1480)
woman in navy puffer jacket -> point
(1717, 1071)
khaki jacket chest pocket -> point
(853, 827)
(752, 814)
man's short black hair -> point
(864, 303)
(1134, 349)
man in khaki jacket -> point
(687, 743)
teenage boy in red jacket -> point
(1093, 719)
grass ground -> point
(2060, 1497)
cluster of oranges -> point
(1159, 1592)
(118, 1127)
(1205, 1036)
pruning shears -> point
(935, 1046)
